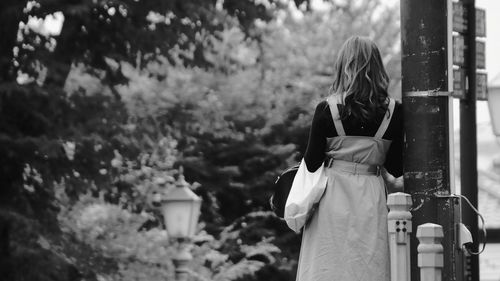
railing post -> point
(399, 226)
(430, 251)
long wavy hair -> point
(360, 76)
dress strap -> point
(332, 103)
(387, 119)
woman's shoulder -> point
(322, 112)
(322, 104)
(322, 107)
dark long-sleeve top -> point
(323, 127)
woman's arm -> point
(393, 166)
(395, 132)
(392, 183)
(315, 152)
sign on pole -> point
(481, 78)
(459, 51)
(459, 17)
(482, 86)
(459, 83)
(480, 22)
(480, 55)
(460, 59)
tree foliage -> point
(129, 92)
(133, 31)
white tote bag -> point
(306, 191)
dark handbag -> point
(281, 189)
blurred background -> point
(488, 149)
(106, 104)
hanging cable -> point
(483, 226)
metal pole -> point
(181, 261)
(468, 144)
(426, 111)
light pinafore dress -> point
(346, 238)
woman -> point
(359, 131)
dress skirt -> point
(346, 238)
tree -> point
(41, 123)
(128, 30)
(246, 118)
(233, 85)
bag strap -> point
(332, 103)
(387, 119)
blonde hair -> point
(360, 74)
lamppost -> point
(494, 106)
(181, 209)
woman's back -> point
(346, 238)
(369, 150)
(360, 142)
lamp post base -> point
(181, 261)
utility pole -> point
(468, 142)
(426, 101)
